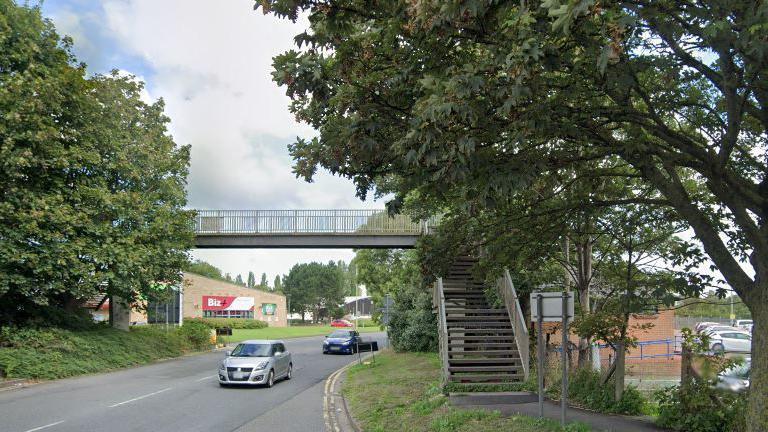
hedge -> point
(57, 353)
(235, 323)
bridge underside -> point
(304, 241)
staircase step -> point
(484, 368)
(452, 344)
(488, 378)
(484, 353)
(506, 337)
(457, 329)
(480, 325)
(477, 310)
(484, 361)
(482, 318)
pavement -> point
(178, 395)
(598, 421)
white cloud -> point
(211, 63)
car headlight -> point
(347, 342)
(222, 367)
(325, 342)
(262, 365)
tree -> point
(239, 280)
(313, 287)
(264, 283)
(204, 269)
(278, 284)
(478, 98)
(92, 186)
(228, 277)
(251, 280)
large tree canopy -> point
(91, 184)
(471, 101)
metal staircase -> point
(478, 343)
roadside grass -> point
(57, 353)
(286, 332)
(402, 392)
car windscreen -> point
(252, 350)
(340, 334)
(739, 371)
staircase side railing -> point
(442, 328)
(519, 323)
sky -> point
(210, 61)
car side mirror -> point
(228, 353)
(326, 336)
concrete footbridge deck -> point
(233, 229)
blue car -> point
(341, 341)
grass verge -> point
(402, 392)
(286, 332)
(56, 353)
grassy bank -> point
(401, 392)
(287, 332)
(56, 353)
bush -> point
(701, 407)
(412, 324)
(56, 353)
(235, 323)
(585, 389)
(197, 334)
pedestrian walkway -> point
(509, 405)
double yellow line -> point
(329, 405)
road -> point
(177, 395)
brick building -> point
(206, 297)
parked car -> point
(256, 362)
(736, 378)
(341, 323)
(718, 328)
(730, 341)
(744, 324)
(341, 341)
(700, 327)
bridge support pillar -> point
(119, 313)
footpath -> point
(597, 421)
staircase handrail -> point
(442, 328)
(519, 323)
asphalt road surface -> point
(178, 395)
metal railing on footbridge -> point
(349, 222)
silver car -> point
(735, 378)
(256, 362)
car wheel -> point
(718, 348)
(271, 379)
(290, 371)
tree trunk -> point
(619, 373)
(757, 420)
(584, 271)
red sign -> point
(215, 303)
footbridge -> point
(233, 229)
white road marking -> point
(206, 378)
(140, 397)
(46, 426)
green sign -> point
(268, 308)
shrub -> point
(235, 323)
(198, 334)
(701, 407)
(412, 324)
(586, 389)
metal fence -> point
(305, 222)
(690, 322)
